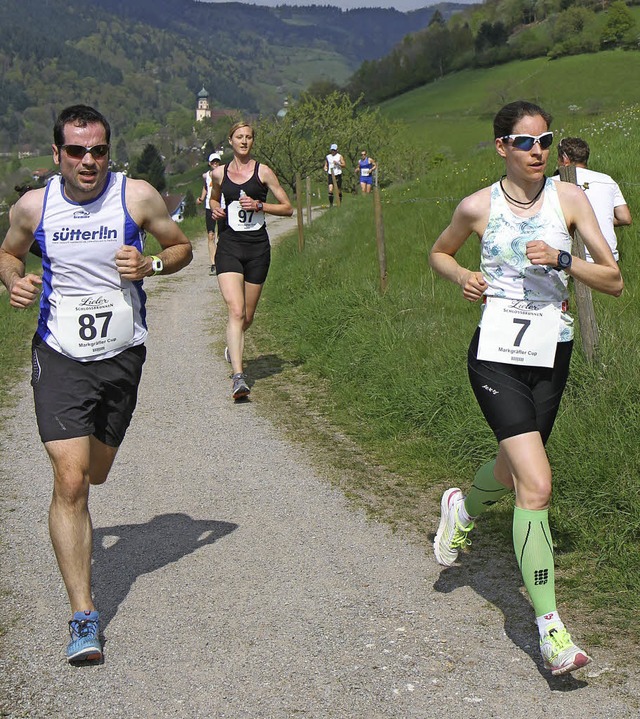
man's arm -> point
(148, 210)
(203, 194)
(621, 215)
(25, 215)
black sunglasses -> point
(79, 151)
(526, 142)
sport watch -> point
(564, 261)
(156, 264)
(259, 206)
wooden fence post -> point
(336, 189)
(308, 187)
(584, 299)
(382, 256)
(299, 212)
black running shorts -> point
(79, 399)
(210, 220)
(516, 399)
(251, 259)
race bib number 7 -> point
(519, 332)
(90, 325)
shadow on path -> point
(497, 579)
(123, 553)
(265, 366)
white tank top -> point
(504, 262)
(79, 243)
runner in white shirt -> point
(205, 196)
(333, 164)
(601, 190)
(88, 350)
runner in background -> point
(333, 163)
(207, 183)
(88, 350)
(366, 167)
(518, 360)
(239, 204)
(601, 190)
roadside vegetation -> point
(389, 372)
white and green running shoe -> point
(560, 654)
(451, 536)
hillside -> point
(142, 61)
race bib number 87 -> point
(90, 325)
(519, 332)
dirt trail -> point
(234, 582)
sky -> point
(402, 5)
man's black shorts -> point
(79, 399)
(210, 220)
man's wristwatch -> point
(259, 206)
(564, 261)
(156, 264)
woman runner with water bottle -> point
(239, 204)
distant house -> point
(42, 175)
(175, 206)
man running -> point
(207, 183)
(333, 164)
(88, 349)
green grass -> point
(389, 373)
(455, 113)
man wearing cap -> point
(205, 196)
(333, 164)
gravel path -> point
(235, 582)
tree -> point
(150, 167)
(619, 22)
(190, 207)
(300, 141)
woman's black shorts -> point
(516, 399)
(251, 259)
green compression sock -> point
(534, 552)
(485, 490)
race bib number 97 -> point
(90, 325)
(519, 332)
(243, 220)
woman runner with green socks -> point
(518, 360)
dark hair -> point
(509, 115)
(575, 148)
(81, 116)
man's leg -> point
(211, 242)
(76, 463)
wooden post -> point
(336, 189)
(382, 257)
(299, 212)
(584, 299)
(308, 182)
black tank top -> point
(253, 188)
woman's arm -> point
(603, 274)
(283, 207)
(468, 217)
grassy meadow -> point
(389, 372)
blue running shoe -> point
(85, 644)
